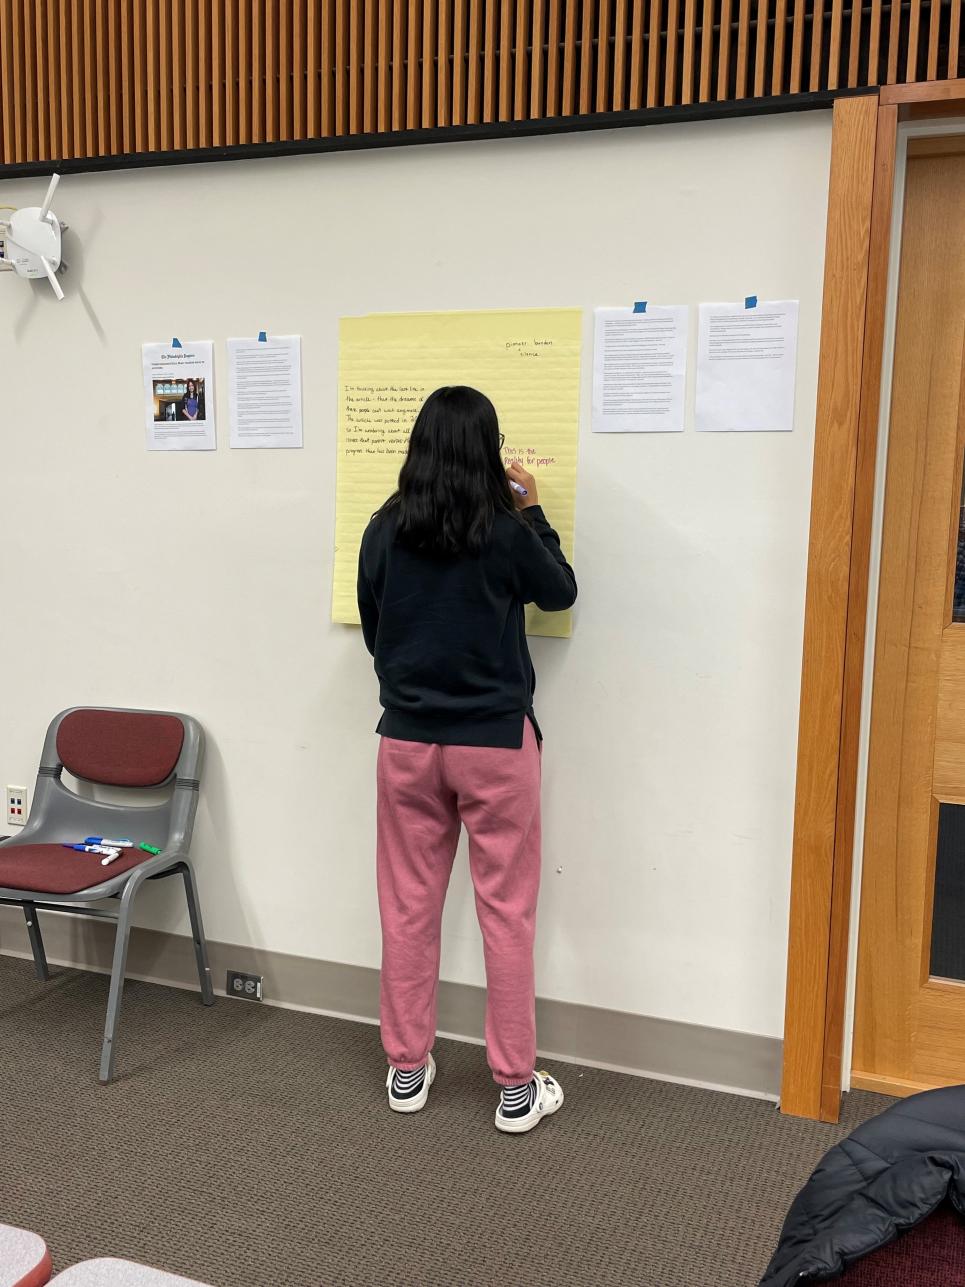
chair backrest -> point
(126, 749)
(120, 748)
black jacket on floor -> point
(887, 1176)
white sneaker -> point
(549, 1100)
(412, 1103)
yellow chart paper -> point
(526, 360)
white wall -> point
(202, 582)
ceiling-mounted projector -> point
(30, 241)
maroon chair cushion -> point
(52, 869)
(931, 1253)
(120, 748)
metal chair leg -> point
(118, 968)
(197, 933)
(36, 942)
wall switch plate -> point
(246, 986)
(16, 806)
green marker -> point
(150, 849)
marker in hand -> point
(522, 484)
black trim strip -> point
(448, 134)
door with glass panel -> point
(910, 1003)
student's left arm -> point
(368, 604)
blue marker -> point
(111, 844)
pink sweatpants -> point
(425, 792)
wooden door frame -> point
(857, 255)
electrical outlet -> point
(16, 806)
(246, 986)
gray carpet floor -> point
(249, 1146)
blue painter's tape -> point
(175, 343)
(750, 301)
(262, 337)
(640, 306)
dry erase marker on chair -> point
(111, 844)
(113, 853)
(94, 849)
(150, 849)
(518, 487)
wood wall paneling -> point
(743, 46)
(797, 47)
(724, 52)
(637, 54)
(621, 27)
(15, 69)
(707, 52)
(655, 53)
(690, 44)
(355, 54)
(428, 60)
(460, 61)
(848, 748)
(444, 62)
(827, 600)
(85, 78)
(671, 58)
(780, 43)
(7, 43)
(952, 91)
(760, 48)
(504, 66)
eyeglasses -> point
(502, 439)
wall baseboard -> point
(737, 1062)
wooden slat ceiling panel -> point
(82, 78)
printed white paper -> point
(640, 369)
(179, 396)
(265, 388)
(746, 359)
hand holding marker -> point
(522, 484)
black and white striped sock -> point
(405, 1085)
(517, 1101)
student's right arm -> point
(542, 573)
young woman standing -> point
(445, 568)
(192, 402)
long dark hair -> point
(453, 481)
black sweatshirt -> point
(448, 634)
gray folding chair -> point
(130, 749)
